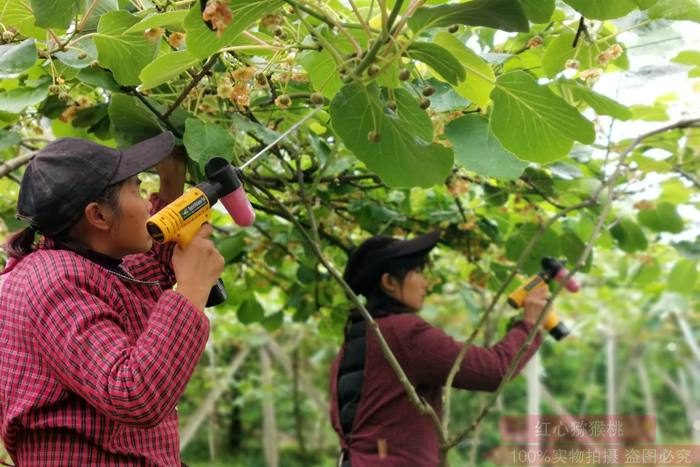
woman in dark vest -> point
(370, 411)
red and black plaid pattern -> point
(93, 362)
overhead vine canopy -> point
(485, 118)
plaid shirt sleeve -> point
(156, 264)
(135, 382)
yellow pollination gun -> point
(552, 269)
(180, 220)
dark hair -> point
(20, 244)
(378, 302)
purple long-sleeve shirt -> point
(426, 354)
(93, 360)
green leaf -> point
(506, 15)
(100, 8)
(18, 99)
(8, 139)
(601, 104)
(602, 9)
(205, 140)
(688, 57)
(683, 277)
(572, 247)
(321, 69)
(55, 13)
(157, 20)
(231, 247)
(273, 322)
(663, 218)
(690, 250)
(547, 245)
(560, 49)
(688, 10)
(629, 236)
(400, 158)
(126, 54)
(650, 113)
(18, 14)
(478, 150)
(534, 123)
(539, 11)
(71, 57)
(479, 80)
(166, 67)
(409, 112)
(250, 311)
(16, 58)
(203, 42)
(675, 192)
(644, 4)
(132, 121)
(439, 59)
(99, 78)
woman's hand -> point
(172, 172)
(535, 303)
(197, 267)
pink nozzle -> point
(237, 204)
(572, 285)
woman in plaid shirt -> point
(95, 347)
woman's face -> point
(411, 292)
(128, 232)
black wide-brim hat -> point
(69, 173)
(368, 261)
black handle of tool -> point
(218, 294)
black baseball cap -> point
(69, 173)
(368, 261)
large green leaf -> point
(18, 13)
(16, 58)
(676, 9)
(561, 49)
(602, 9)
(205, 140)
(478, 150)
(478, 83)
(506, 15)
(629, 236)
(126, 54)
(662, 218)
(131, 120)
(689, 57)
(400, 158)
(439, 59)
(79, 56)
(18, 99)
(683, 277)
(166, 67)
(534, 123)
(601, 104)
(321, 68)
(547, 245)
(203, 42)
(539, 11)
(55, 13)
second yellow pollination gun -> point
(552, 269)
(180, 220)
